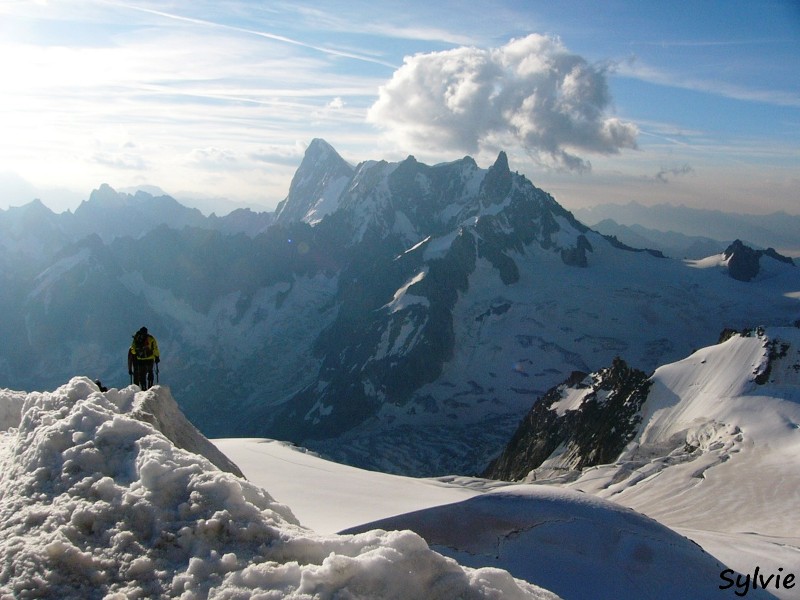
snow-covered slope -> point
(95, 503)
(576, 545)
(720, 432)
(716, 458)
(510, 343)
(330, 497)
(572, 540)
(716, 455)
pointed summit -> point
(105, 194)
(33, 220)
(498, 181)
(316, 186)
(318, 146)
(501, 164)
(744, 262)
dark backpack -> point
(141, 345)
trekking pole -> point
(156, 372)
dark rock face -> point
(744, 263)
(586, 421)
(576, 257)
(498, 181)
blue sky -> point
(689, 103)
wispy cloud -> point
(264, 34)
(664, 43)
(665, 174)
(636, 69)
(392, 21)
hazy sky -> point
(694, 103)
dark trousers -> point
(143, 373)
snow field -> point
(98, 500)
(97, 504)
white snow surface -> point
(718, 456)
(573, 399)
(402, 298)
(97, 504)
(575, 544)
(718, 461)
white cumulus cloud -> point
(551, 101)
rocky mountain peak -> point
(744, 262)
(501, 163)
(316, 186)
(577, 424)
(27, 214)
(105, 194)
(497, 183)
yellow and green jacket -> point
(150, 350)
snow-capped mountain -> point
(709, 446)
(397, 315)
(590, 420)
(316, 186)
(471, 293)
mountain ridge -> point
(778, 229)
(426, 306)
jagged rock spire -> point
(497, 183)
(321, 166)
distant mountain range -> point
(670, 243)
(398, 316)
(683, 232)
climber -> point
(142, 356)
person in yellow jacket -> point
(142, 355)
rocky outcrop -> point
(585, 421)
(744, 263)
(576, 256)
